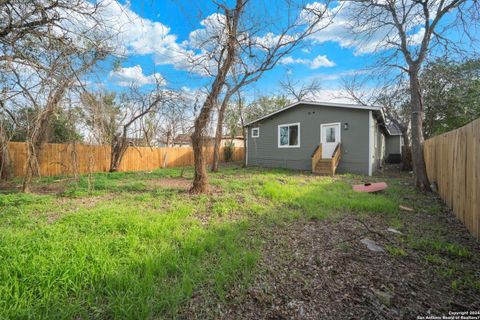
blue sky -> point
(153, 32)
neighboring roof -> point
(182, 138)
(230, 137)
(322, 104)
(393, 130)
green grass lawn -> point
(137, 246)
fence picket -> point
(57, 159)
(453, 162)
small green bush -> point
(228, 150)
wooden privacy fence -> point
(453, 162)
(68, 159)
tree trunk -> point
(119, 147)
(31, 167)
(406, 150)
(34, 146)
(169, 138)
(38, 133)
(418, 160)
(219, 132)
(216, 146)
(5, 173)
(200, 178)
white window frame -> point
(288, 125)
(258, 132)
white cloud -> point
(416, 38)
(317, 62)
(211, 34)
(290, 60)
(136, 35)
(134, 75)
(338, 75)
(321, 61)
(333, 95)
(270, 40)
(339, 31)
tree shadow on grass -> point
(121, 275)
(108, 263)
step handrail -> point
(336, 158)
(316, 156)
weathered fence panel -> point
(71, 159)
(453, 162)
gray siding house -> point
(315, 135)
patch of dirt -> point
(321, 270)
(55, 187)
(177, 183)
(9, 187)
(74, 204)
(174, 183)
(85, 202)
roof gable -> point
(320, 104)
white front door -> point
(329, 138)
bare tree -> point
(22, 19)
(241, 115)
(26, 29)
(300, 90)
(219, 129)
(8, 125)
(237, 119)
(394, 98)
(412, 31)
(51, 86)
(248, 48)
(113, 120)
(227, 56)
(173, 119)
(46, 47)
(100, 113)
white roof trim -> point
(322, 104)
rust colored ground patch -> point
(321, 270)
(173, 183)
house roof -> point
(321, 104)
(378, 111)
(393, 130)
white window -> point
(289, 135)
(330, 134)
(255, 132)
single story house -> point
(323, 137)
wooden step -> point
(323, 164)
(324, 167)
(324, 161)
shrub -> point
(228, 150)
